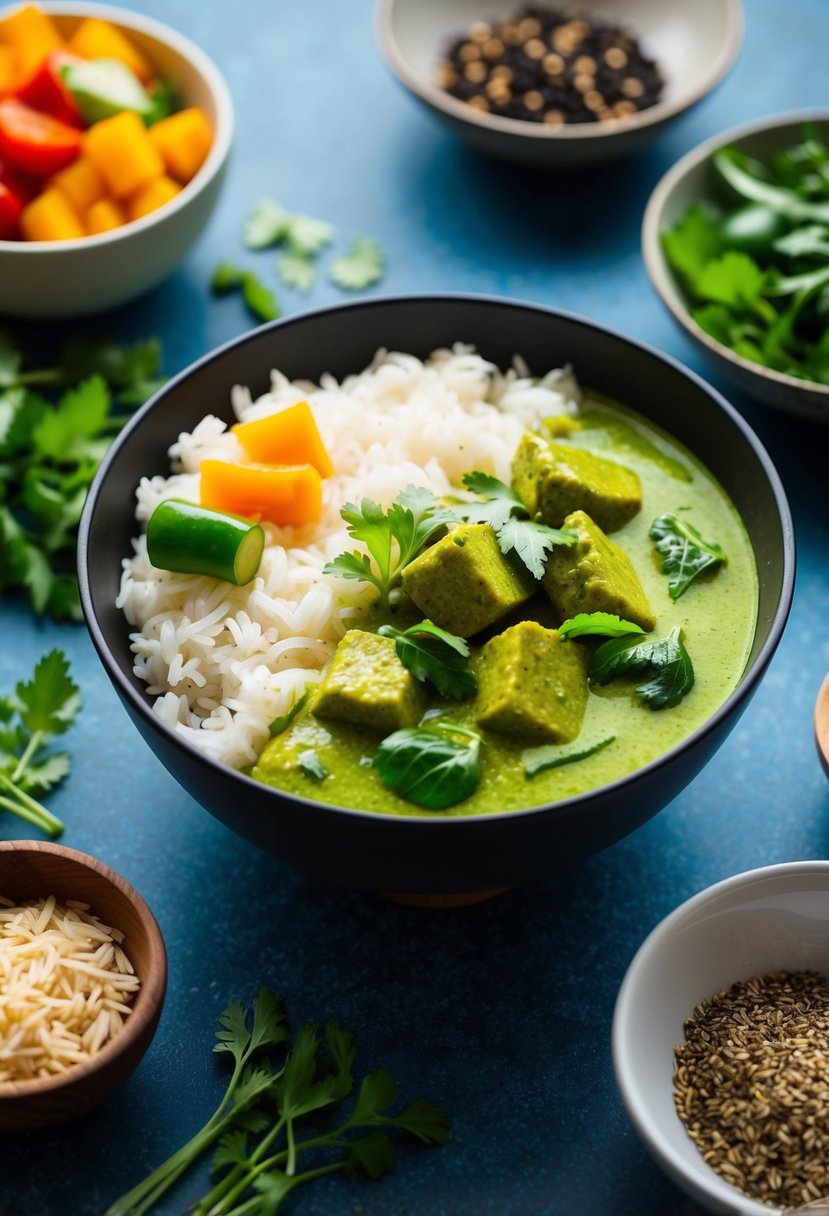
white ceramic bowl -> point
(73, 278)
(771, 919)
(695, 42)
(690, 180)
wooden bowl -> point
(822, 725)
(31, 869)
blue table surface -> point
(500, 1012)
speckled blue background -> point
(501, 1012)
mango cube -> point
(183, 140)
(123, 153)
(50, 217)
(154, 195)
(97, 39)
(104, 216)
(81, 183)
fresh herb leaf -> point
(499, 501)
(603, 624)
(674, 673)
(431, 654)
(36, 712)
(532, 542)
(434, 767)
(281, 724)
(692, 243)
(259, 299)
(226, 277)
(541, 759)
(308, 236)
(311, 765)
(268, 224)
(393, 537)
(735, 279)
(684, 552)
(362, 266)
(296, 269)
(502, 509)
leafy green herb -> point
(296, 270)
(432, 654)
(432, 766)
(506, 513)
(262, 1151)
(30, 717)
(281, 724)
(603, 624)
(540, 759)
(684, 552)
(673, 675)
(362, 266)
(259, 299)
(271, 224)
(308, 236)
(393, 538)
(311, 765)
(50, 451)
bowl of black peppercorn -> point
(555, 87)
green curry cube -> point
(532, 685)
(367, 685)
(464, 582)
(594, 575)
(554, 479)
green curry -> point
(717, 616)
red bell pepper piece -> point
(33, 142)
(47, 92)
(15, 192)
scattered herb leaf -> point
(30, 717)
(259, 299)
(362, 266)
(308, 236)
(263, 1152)
(432, 654)
(296, 270)
(684, 552)
(602, 624)
(540, 759)
(432, 766)
(506, 513)
(267, 225)
(674, 673)
(311, 765)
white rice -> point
(223, 661)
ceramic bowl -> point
(31, 869)
(753, 924)
(690, 180)
(76, 277)
(695, 43)
(393, 852)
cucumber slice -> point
(187, 538)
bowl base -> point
(464, 900)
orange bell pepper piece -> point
(287, 437)
(288, 495)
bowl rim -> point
(219, 147)
(697, 1177)
(149, 999)
(662, 276)
(453, 108)
(138, 701)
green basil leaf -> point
(674, 672)
(602, 624)
(432, 654)
(430, 767)
(684, 552)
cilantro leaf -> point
(499, 503)
(605, 624)
(373, 1154)
(532, 542)
(684, 552)
(296, 269)
(80, 415)
(50, 701)
(267, 224)
(423, 1120)
(360, 267)
(311, 765)
(736, 280)
(430, 766)
(308, 236)
(376, 1095)
(431, 654)
(541, 759)
(691, 243)
(674, 673)
(502, 509)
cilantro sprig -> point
(35, 713)
(507, 514)
(393, 538)
(362, 266)
(434, 655)
(685, 553)
(51, 443)
(672, 671)
(261, 1148)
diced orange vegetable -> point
(50, 217)
(97, 39)
(289, 495)
(287, 437)
(33, 34)
(154, 195)
(123, 153)
(81, 183)
(9, 70)
(183, 140)
(103, 216)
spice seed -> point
(469, 52)
(476, 72)
(631, 87)
(533, 100)
(616, 58)
(493, 48)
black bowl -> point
(433, 855)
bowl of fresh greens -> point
(735, 239)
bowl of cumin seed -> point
(555, 85)
(721, 1041)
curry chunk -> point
(367, 685)
(532, 685)
(554, 479)
(594, 575)
(464, 582)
